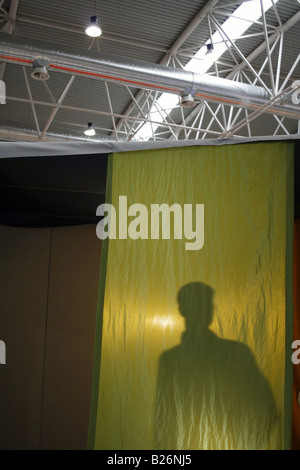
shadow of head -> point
(195, 301)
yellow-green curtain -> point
(193, 346)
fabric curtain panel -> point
(195, 309)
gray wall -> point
(48, 297)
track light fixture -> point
(90, 131)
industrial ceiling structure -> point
(160, 70)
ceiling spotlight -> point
(90, 131)
(210, 49)
(187, 101)
(93, 28)
(40, 71)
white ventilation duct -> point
(145, 75)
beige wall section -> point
(73, 287)
(48, 298)
(24, 265)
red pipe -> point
(94, 74)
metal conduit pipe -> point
(141, 74)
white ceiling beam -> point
(208, 7)
(104, 113)
(30, 136)
(9, 27)
(57, 106)
(11, 17)
(283, 28)
(262, 47)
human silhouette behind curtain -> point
(210, 392)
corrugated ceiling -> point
(139, 30)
